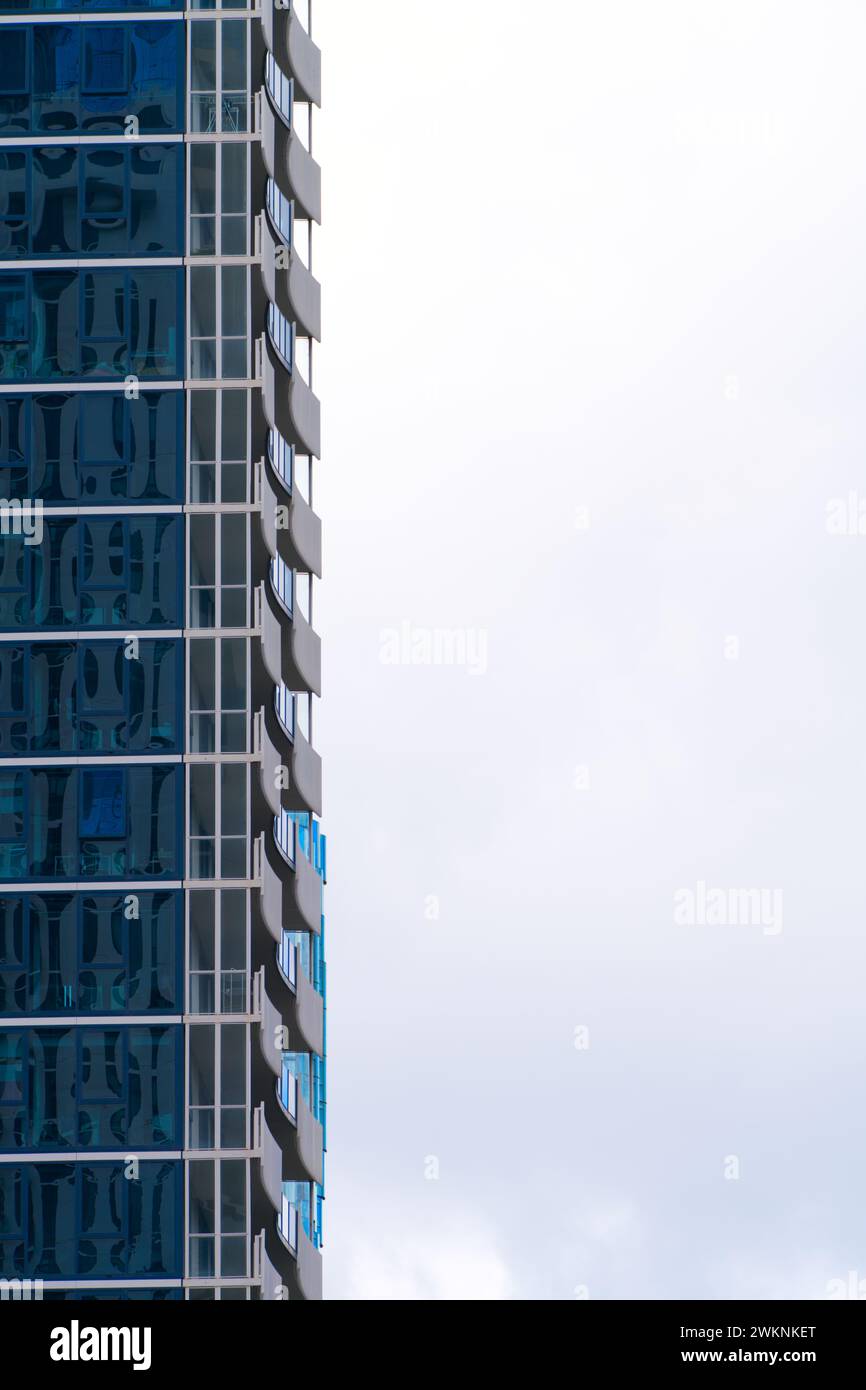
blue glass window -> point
(88, 79)
(54, 105)
(66, 200)
(69, 6)
(80, 1294)
(105, 59)
(90, 572)
(14, 64)
(14, 202)
(97, 953)
(90, 1088)
(99, 324)
(51, 828)
(13, 309)
(53, 190)
(87, 697)
(67, 1220)
(102, 808)
(94, 448)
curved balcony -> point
(286, 1269)
(293, 49)
(291, 651)
(272, 1040)
(307, 1028)
(292, 1147)
(290, 897)
(290, 1004)
(304, 1162)
(288, 403)
(292, 1140)
(290, 528)
(288, 283)
(289, 163)
(280, 749)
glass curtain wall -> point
(92, 650)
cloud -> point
(398, 1262)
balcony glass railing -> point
(281, 213)
(223, 992)
(319, 848)
(318, 1224)
(319, 841)
(303, 832)
(296, 1197)
(293, 712)
(288, 1226)
(288, 1085)
(295, 1077)
(284, 704)
(305, 951)
(280, 89)
(282, 335)
(287, 955)
(317, 1068)
(283, 584)
(285, 836)
(226, 112)
(292, 835)
(282, 457)
(305, 1075)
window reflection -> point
(90, 1088)
(96, 448)
(66, 1220)
(91, 572)
(93, 323)
(90, 953)
(55, 824)
(87, 79)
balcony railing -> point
(288, 1084)
(283, 584)
(232, 986)
(289, 1224)
(285, 836)
(288, 958)
(282, 457)
(280, 89)
(281, 212)
(284, 703)
(282, 335)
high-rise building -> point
(162, 975)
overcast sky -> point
(593, 376)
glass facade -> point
(96, 325)
(160, 1136)
(98, 449)
(92, 79)
(91, 200)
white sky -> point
(603, 256)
